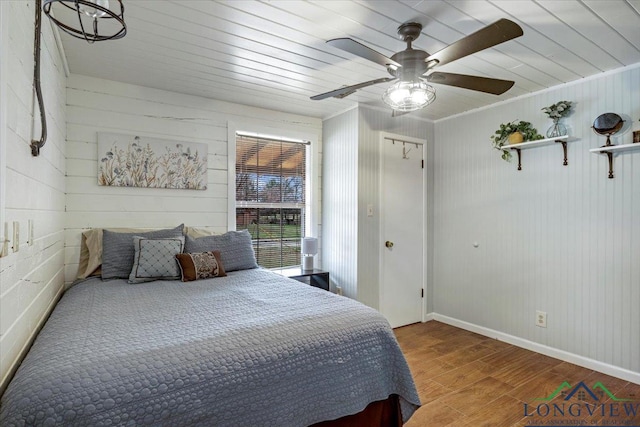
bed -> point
(249, 349)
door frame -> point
(384, 137)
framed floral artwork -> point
(135, 161)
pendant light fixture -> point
(95, 20)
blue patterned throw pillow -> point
(155, 259)
(118, 252)
(235, 249)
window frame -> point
(312, 190)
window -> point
(270, 197)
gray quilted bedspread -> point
(250, 349)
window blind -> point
(270, 197)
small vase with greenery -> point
(501, 136)
(555, 112)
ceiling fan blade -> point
(348, 90)
(491, 35)
(358, 49)
(481, 84)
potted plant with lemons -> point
(514, 132)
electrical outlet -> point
(338, 290)
(541, 318)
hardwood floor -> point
(466, 379)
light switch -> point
(369, 210)
(30, 231)
(16, 236)
(4, 249)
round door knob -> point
(388, 244)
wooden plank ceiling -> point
(272, 54)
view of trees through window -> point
(270, 198)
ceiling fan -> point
(413, 67)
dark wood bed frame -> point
(382, 413)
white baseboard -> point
(585, 362)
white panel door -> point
(402, 232)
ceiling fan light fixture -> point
(409, 95)
(95, 20)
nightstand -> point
(315, 277)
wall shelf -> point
(610, 150)
(540, 143)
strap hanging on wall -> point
(36, 145)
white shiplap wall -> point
(34, 187)
(350, 183)
(97, 105)
(561, 239)
(340, 201)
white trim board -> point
(63, 56)
(565, 356)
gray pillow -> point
(118, 251)
(155, 259)
(235, 249)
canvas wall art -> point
(138, 161)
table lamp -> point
(309, 249)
